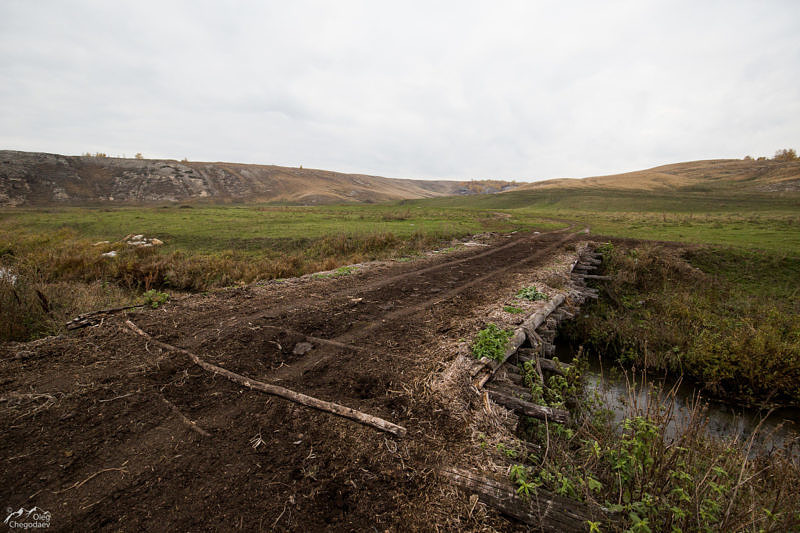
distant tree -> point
(139, 155)
(787, 154)
(100, 155)
(761, 158)
(748, 158)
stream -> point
(780, 430)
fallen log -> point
(282, 392)
(84, 320)
(529, 409)
(544, 510)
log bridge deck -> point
(505, 385)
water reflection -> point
(778, 431)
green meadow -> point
(54, 251)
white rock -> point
(7, 275)
(112, 253)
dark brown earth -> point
(92, 426)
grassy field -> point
(260, 229)
(55, 255)
(754, 221)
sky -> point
(434, 89)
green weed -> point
(154, 298)
(491, 342)
(531, 294)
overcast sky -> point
(520, 90)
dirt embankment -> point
(97, 423)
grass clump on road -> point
(491, 342)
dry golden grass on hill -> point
(709, 175)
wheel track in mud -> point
(281, 310)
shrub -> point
(786, 154)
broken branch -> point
(282, 392)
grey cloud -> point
(523, 90)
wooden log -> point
(85, 319)
(282, 392)
(513, 377)
(529, 409)
(543, 510)
(520, 391)
(548, 365)
(593, 276)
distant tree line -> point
(785, 154)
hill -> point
(40, 179)
(714, 175)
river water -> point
(778, 430)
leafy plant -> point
(530, 293)
(513, 310)
(154, 298)
(491, 342)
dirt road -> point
(95, 424)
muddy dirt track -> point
(95, 422)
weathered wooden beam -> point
(529, 409)
(518, 391)
(513, 377)
(543, 510)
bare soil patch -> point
(95, 423)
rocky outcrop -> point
(34, 179)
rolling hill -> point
(713, 175)
(40, 179)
